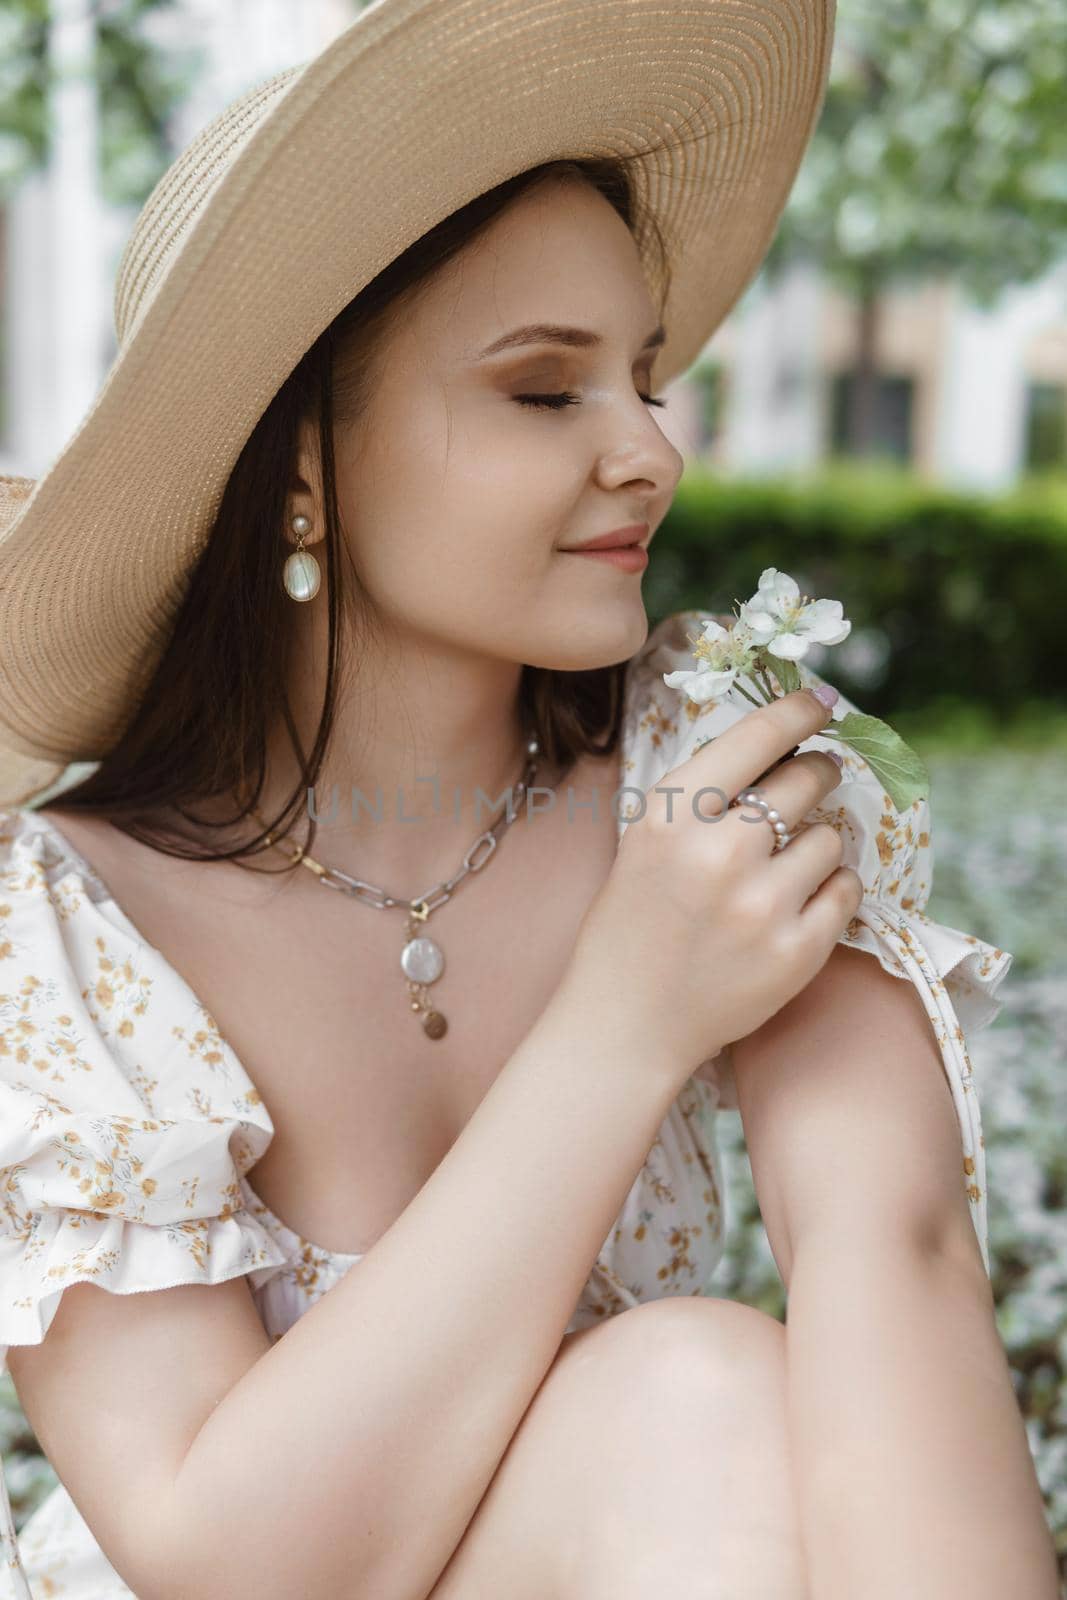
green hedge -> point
(969, 592)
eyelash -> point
(556, 402)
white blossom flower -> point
(786, 623)
(764, 644)
(722, 655)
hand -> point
(703, 928)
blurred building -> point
(60, 244)
(965, 396)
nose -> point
(643, 459)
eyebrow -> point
(552, 333)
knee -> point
(698, 1336)
(682, 1353)
(729, 1325)
(720, 1355)
(690, 1490)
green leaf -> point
(893, 762)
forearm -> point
(349, 1460)
(912, 1468)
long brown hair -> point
(201, 729)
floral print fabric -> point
(128, 1127)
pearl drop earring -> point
(301, 574)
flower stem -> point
(766, 682)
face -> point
(458, 496)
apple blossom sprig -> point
(771, 633)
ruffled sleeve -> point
(956, 974)
(126, 1123)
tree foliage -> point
(941, 149)
(139, 79)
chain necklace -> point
(422, 959)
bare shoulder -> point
(130, 865)
(90, 837)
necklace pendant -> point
(434, 1025)
(422, 960)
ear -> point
(305, 488)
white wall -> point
(57, 306)
(772, 420)
(982, 418)
(63, 242)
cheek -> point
(468, 554)
(487, 501)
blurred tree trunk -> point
(862, 419)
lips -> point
(619, 539)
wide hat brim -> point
(413, 110)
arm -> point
(380, 1418)
(910, 1457)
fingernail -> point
(827, 694)
(835, 757)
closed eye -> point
(556, 402)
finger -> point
(774, 766)
(750, 746)
(794, 788)
(803, 865)
(832, 906)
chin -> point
(601, 637)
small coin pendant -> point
(434, 1025)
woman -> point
(462, 1109)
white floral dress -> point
(128, 1126)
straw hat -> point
(283, 208)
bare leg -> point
(651, 1461)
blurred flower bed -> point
(1000, 871)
